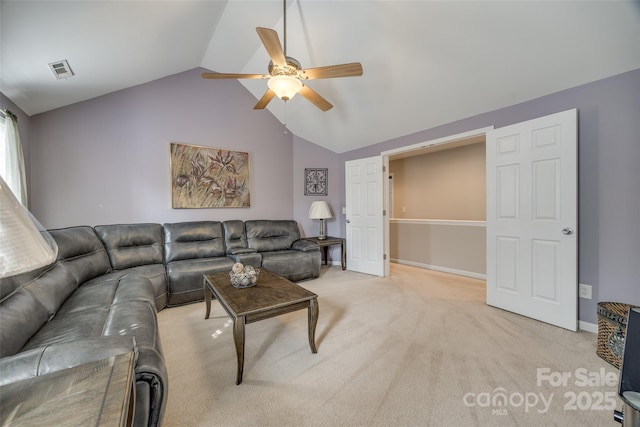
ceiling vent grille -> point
(61, 69)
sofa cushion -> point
(136, 319)
(132, 245)
(292, 264)
(185, 277)
(70, 327)
(191, 240)
(81, 252)
(271, 235)
(107, 290)
(21, 316)
(235, 238)
(156, 273)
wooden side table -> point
(331, 241)
(100, 393)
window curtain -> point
(14, 158)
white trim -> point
(588, 327)
(438, 141)
(463, 223)
(455, 271)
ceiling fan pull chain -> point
(284, 124)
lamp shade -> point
(24, 244)
(320, 210)
(285, 87)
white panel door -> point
(364, 206)
(532, 219)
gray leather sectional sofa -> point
(101, 296)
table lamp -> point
(24, 244)
(320, 210)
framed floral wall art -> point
(206, 177)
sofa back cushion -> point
(81, 252)
(234, 235)
(191, 240)
(35, 297)
(132, 245)
(21, 316)
(271, 235)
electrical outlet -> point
(584, 291)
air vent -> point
(61, 69)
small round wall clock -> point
(315, 182)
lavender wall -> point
(609, 178)
(106, 160)
(308, 155)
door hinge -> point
(384, 257)
(384, 168)
(384, 212)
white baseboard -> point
(588, 327)
(464, 273)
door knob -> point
(567, 230)
(348, 221)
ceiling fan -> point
(285, 78)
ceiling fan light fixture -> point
(285, 87)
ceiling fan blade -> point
(271, 42)
(315, 99)
(266, 98)
(344, 70)
(233, 76)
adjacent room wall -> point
(439, 210)
(609, 200)
(457, 247)
(445, 184)
(106, 160)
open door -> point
(364, 206)
(532, 219)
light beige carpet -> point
(419, 348)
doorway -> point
(440, 210)
(531, 215)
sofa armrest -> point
(241, 251)
(56, 357)
(305, 246)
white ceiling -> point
(426, 63)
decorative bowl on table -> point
(245, 277)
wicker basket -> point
(612, 325)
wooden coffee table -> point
(272, 296)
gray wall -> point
(308, 155)
(609, 177)
(106, 160)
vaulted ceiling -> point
(426, 63)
